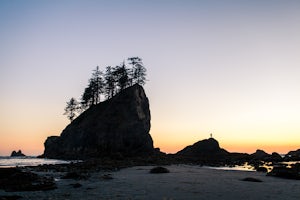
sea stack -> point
(119, 126)
(17, 154)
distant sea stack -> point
(207, 149)
(17, 154)
(118, 126)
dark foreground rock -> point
(251, 179)
(17, 154)
(117, 127)
(10, 197)
(284, 171)
(159, 170)
(13, 179)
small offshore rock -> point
(17, 154)
(159, 170)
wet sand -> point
(183, 182)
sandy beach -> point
(183, 182)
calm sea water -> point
(28, 161)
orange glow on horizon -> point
(35, 146)
(281, 149)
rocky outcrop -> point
(207, 149)
(259, 155)
(293, 156)
(275, 157)
(118, 126)
(17, 154)
(263, 156)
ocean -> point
(6, 161)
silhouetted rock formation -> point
(275, 157)
(293, 156)
(263, 156)
(118, 126)
(208, 150)
(17, 154)
(259, 155)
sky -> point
(230, 68)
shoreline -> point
(183, 182)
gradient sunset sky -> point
(230, 68)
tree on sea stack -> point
(98, 84)
(138, 70)
(121, 76)
(92, 93)
(108, 84)
(71, 109)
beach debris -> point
(13, 179)
(159, 170)
(251, 179)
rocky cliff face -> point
(117, 126)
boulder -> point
(262, 169)
(159, 170)
(207, 149)
(118, 126)
(17, 154)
